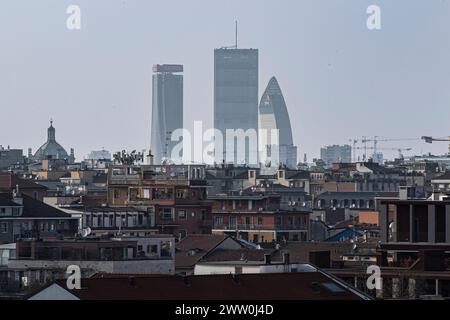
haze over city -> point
(339, 79)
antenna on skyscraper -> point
(236, 43)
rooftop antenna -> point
(236, 43)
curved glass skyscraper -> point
(167, 109)
(273, 115)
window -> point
(182, 234)
(166, 249)
(182, 215)
(3, 227)
(260, 220)
(290, 221)
(162, 193)
(152, 250)
(218, 221)
(166, 213)
(279, 221)
(2, 211)
(203, 215)
(16, 212)
(232, 222)
(180, 194)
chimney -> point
(267, 258)
(286, 258)
(150, 157)
(16, 196)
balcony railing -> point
(414, 237)
(259, 227)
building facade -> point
(257, 217)
(273, 115)
(174, 194)
(167, 109)
(236, 103)
(335, 154)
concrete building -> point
(413, 253)
(119, 220)
(441, 183)
(273, 115)
(99, 155)
(10, 157)
(195, 248)
(256, 216)
(236, 103)
(167, 110)
(250, 267)
(335, 153)
(40, 262)
(22, 217)
(174, 194)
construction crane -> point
(428, 139)
(364, 140)
(400, 150)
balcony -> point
(415, 237)
(260, 227)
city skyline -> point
(325, 63)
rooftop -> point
(276, 286)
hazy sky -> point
(339, 79)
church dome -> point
(51, 149)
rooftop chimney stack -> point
(16, 196)
(286, 258)
(267, 259)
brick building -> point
(174, 194)
(256, 216)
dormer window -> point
(16, 211)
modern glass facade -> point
(167, 110)
(336, 154)
(236, 103)
(273, 115)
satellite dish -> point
(392, 226)
(85, 232)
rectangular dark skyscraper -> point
(236, 100)
(167, 109)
